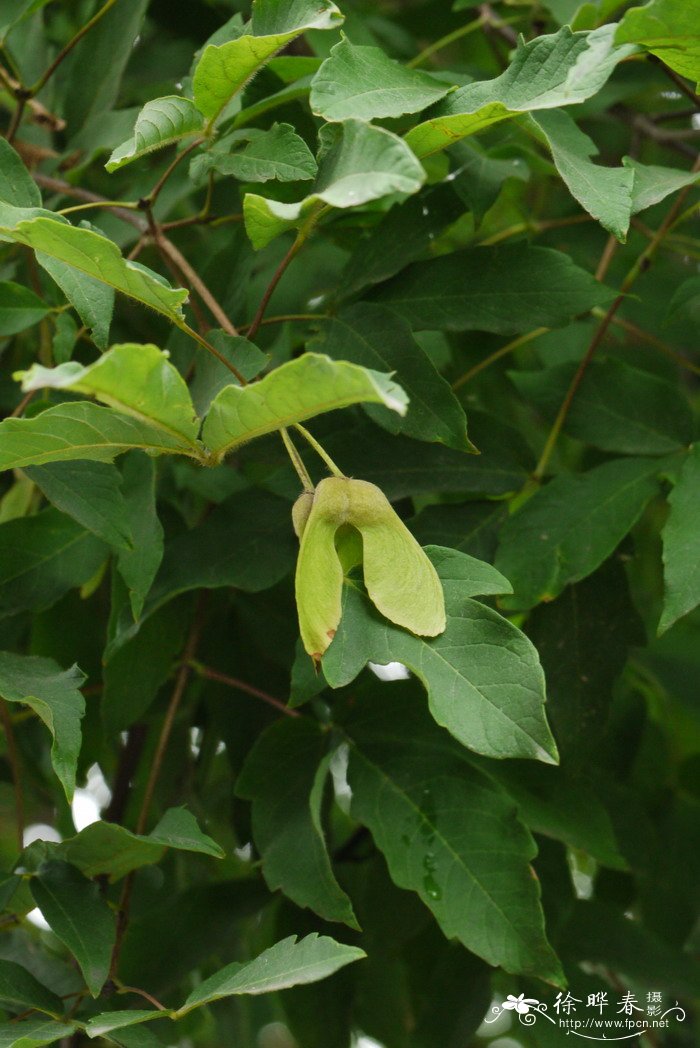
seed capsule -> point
(400, 579)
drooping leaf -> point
(617, 407)
(447, 834)
(21, 991)
(570, 526)
(17, 187)
(82, 431)
(20, 308)
(296, 391)
(41, 558)
(139, 564)
(604, 192)
(403, 235)
(224, 69)
(33, 1033)
(90, 493)
(161, 122)
(247, 543)
(280, 777)
(92, 299)
(363, 83)
(104, 849)
(377, 338)
(287, 963)
(54, 695)
(583, 639)
(669, 29)
(107, 1022)
(79, 916)
(358, 163)
(561, 69)
(94, 255)
(501, 289)
(137, 380)
(652, 183)
(482, 675)
(279, 154)
(680, 537)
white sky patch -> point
(89, 800)
(390, 671)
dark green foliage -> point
(446, 249)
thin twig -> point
(320, 451)
(197, 284)
(283, 318)
(297, 461)
(181, 681)
(294, 250)
(145, 994)
(150, 200)
(445, 41)
(13, 758)
(641, 264)
(26, 399)
(509, 347)
(56, 185)
(241, 685)
(680, 83)
(48, 73)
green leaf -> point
(20, 991)
(680, 538)
(135, 673)
(81, 431)
(616, 407)
(570, 526)
(41, 558)
(358, 163)
(448, 835)
(364, 83)
(280, 777)
(104, 849)
(279, 154)
(20, 308)
(583, 639)
(287, 963)
(106, 1022)
(374, 337)
(94, 255)
(54, 695)
(469, 527)
(604, 192)
(90, 493)
(247, 542)
(652, 183)
(561, 69)
(138, 566)
(402, 236)
(32, 1033)
(17, 187)
(670, 29)
(178, 829)
(504, 289)
(93, 70)
(223, 70)
(298, 390)
(482, 675)
(79, 916)
(137, 380)
(161, 122)
(92, 300)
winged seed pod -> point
(401, 581)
